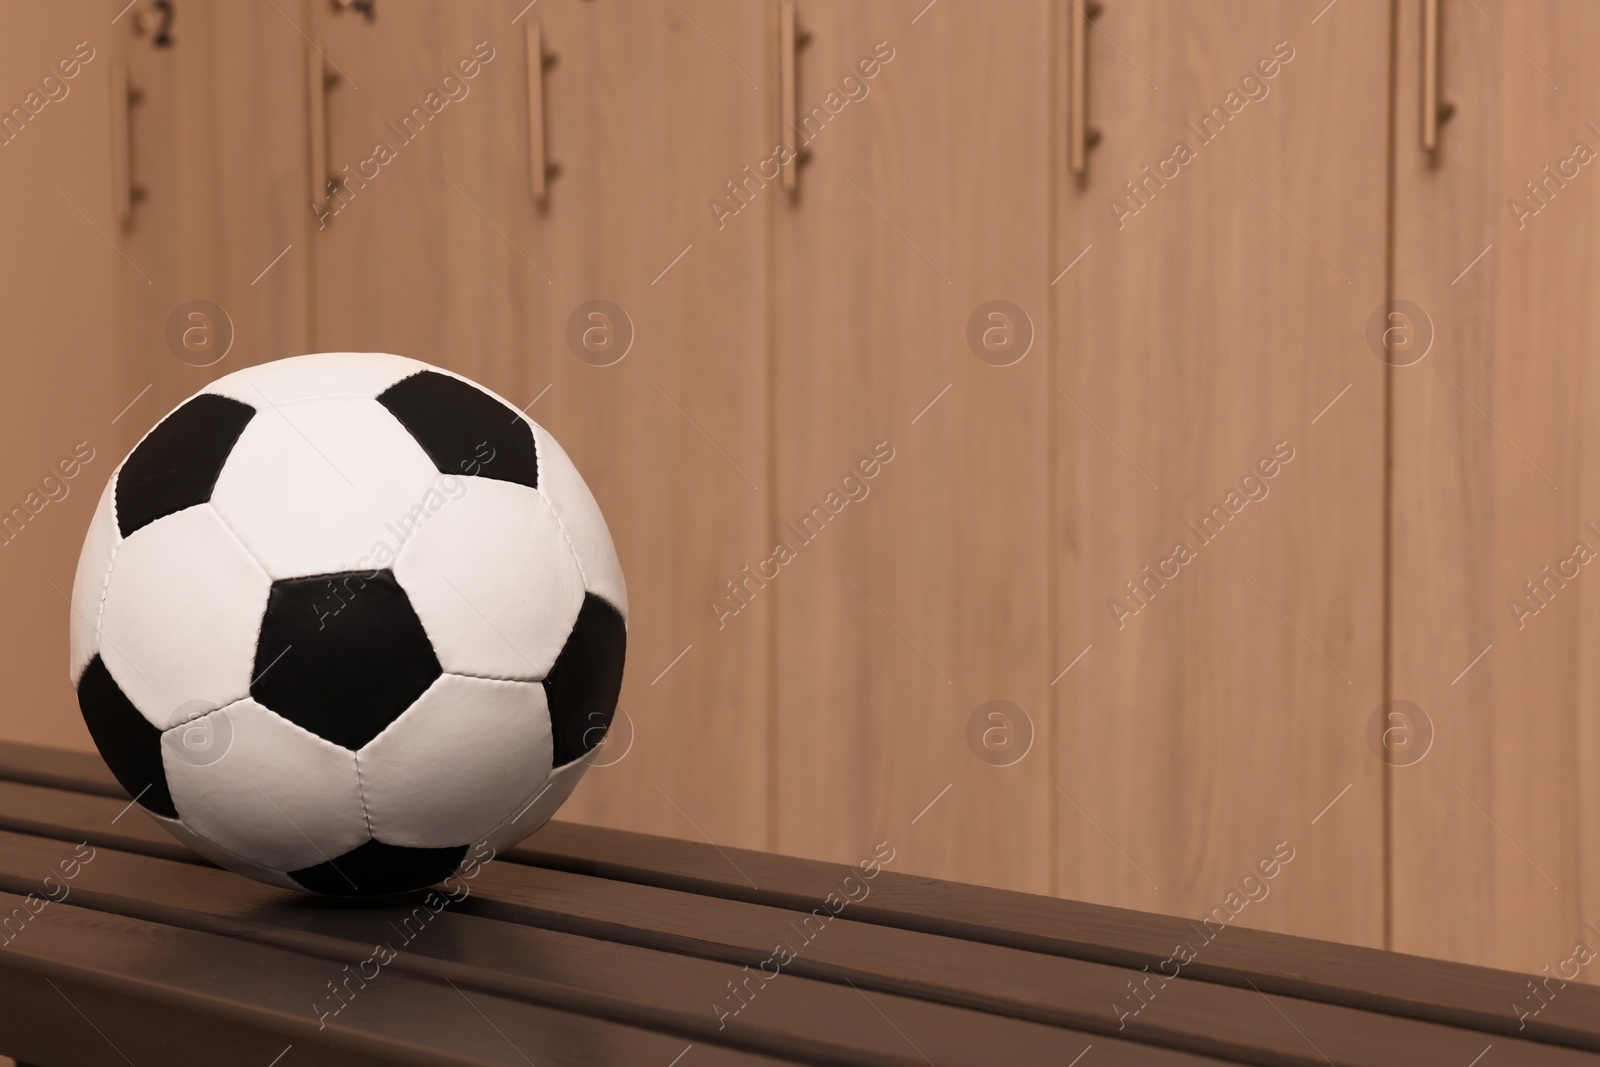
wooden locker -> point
(1219, 435)
(911, 444)
(1493, 831)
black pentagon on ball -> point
(342, 655)
(582, 688)
(128, 742)
(463, 429)
(177, 464)
(376, 869)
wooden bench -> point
(592, 946)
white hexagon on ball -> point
(492, 734)
(181, 609)
(279, 797)
(313, 485)
(473, 567)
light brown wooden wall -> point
(1217, 321)
(1494, 482)
(928, 596)
(58, 284)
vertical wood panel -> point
(1215, 315)
(651, 110)
(218, 147)
(445, 257)
(1493, 831)
(927, 597)
(426, 164)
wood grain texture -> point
(926, 597)
(445, 257)
(1215, 315)
(1494, 830)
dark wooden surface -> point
(591, 946)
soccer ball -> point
(340, 619)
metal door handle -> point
(1434, 111)
(788, 48)
(1082, 137)
(317, 126)
(540, 169)
(123, 97)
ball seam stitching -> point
(491, 678)
(572, 549)
(361, 795)
(105, 586)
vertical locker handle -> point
(787, 47)
(1434, 109)
(121, 146)
(1081, 137)
(317, 127)
(1430, 75)
(540, 169)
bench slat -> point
(1203, 1017)
(812, 1020)
(82, 986)
(1340, 977)
(80, 772)
(1417, 987)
